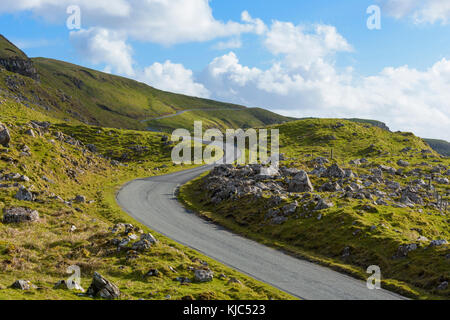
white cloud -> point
(420, 11)
(173, 77)
(302, 45)
(104, 46)
(233, 43)
(405, 98)
(164, 22)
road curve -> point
(152, 202)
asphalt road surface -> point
(152, 201)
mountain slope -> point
(74, 93)
(441, 146)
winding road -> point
(152, 201)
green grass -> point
(219, 119)
(9, 50)
(42, 251)
(78, 94)
(324, 240)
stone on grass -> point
(19, 214)
(203, 275)
(103, 288)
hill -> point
(74, 93)
(441, 146)
(347, 196)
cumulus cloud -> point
(303, 45)
(100, 45)
(173, 77)
(405, 98)
(420, 11)
(164, 22)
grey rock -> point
(300, 183)
(19, 214)
(334, 172)
(438, 243)
(346, 252)
(24, 195)
(152, 273)
(103, 288)
(5, 137)
(23, 285)
(323, 205)
(403, 163)
(403, 250)
(442, 180)
(149, 237)
(204, 275)
(443, 286)
(290, 208)
(141, 245)
(80, 199)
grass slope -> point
(9, 50)
(441, 146)
(220, 119)
(350, 222)
(74, 93)
(59, 169)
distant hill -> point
(74, 93)
(441, 146)
(375, 123)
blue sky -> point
(299, 58)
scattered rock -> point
(323, 205)
(5, 137)
(346, 252)
(30, 132)
(24, 195)
(290, 208)
(80, 199)
(101, 287)
(438, 243)
(443, 286)
(403, 250)
(234, 280)
(152, 273)
(300, 183)
(142, 245)
(23, 285)
(149, 237)
(403, 163)
(19, 214)
(63, 285)
(334, 172)
(203, 275)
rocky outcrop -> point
(21, 66)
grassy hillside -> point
(221, 119)
(9, 50)
(74, 93)
(369, 221)
(441, 146)
(56, 162)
